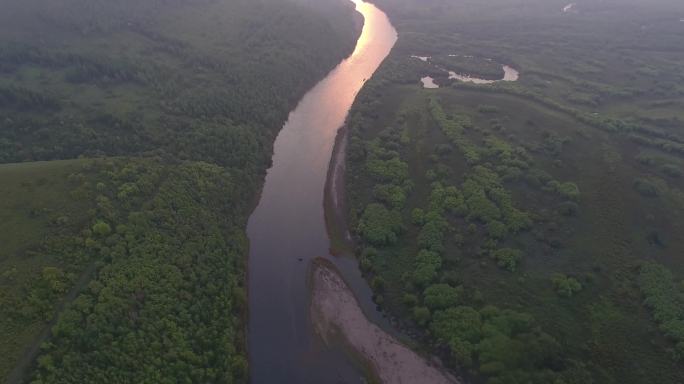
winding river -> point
(287, 229)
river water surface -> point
(287, 229)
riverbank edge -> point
(335, 200)
(333, 334)
(343, 244)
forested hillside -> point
(528, 231)
(143, 130)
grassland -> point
(522, 230)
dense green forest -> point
(134, 137)
(528, 231)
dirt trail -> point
(17, 375)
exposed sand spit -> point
(335, 311)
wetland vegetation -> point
(528, 231)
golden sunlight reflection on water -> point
(287, 229)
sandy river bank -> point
(336, 313)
